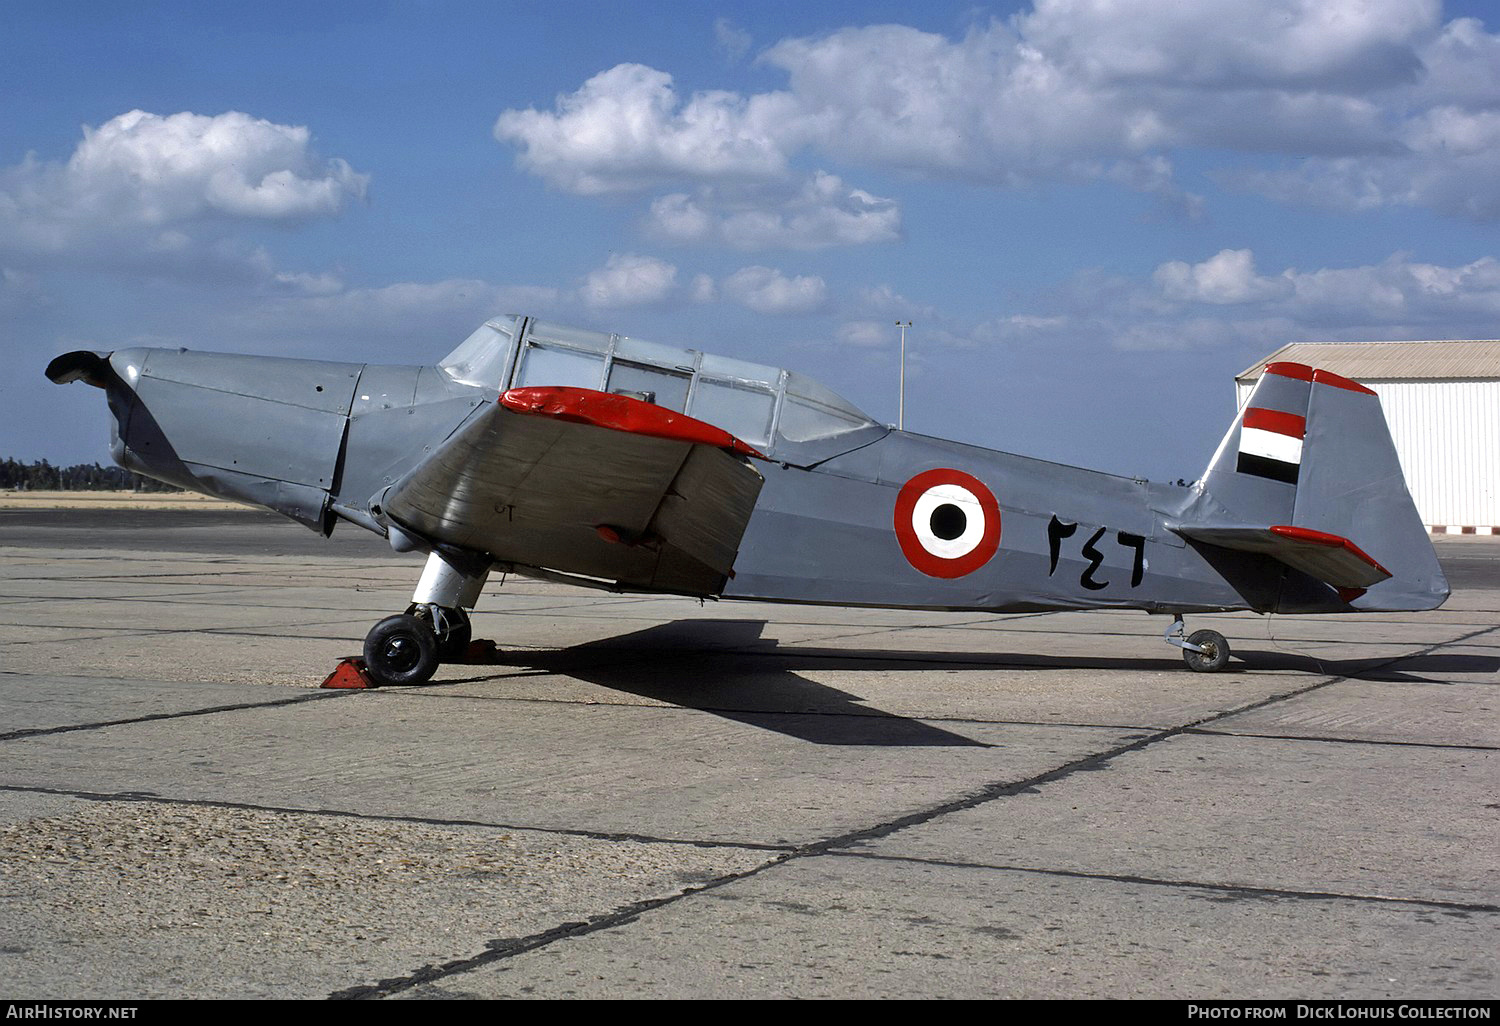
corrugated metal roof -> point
(1391, 361)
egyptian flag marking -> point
(1271, 444)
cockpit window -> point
(657, 385)
(787, 416)
(483, 359)
(743, 408)
(812, 413)
(555, 365)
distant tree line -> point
(82, 477)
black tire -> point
(1214, 655)
(401, 650)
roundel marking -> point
(948, 523)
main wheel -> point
(1214, 655)
(401, 650)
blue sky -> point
(1095, 212)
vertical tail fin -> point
(1256, 471)
(1310, 456)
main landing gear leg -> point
(1204, 651)
(407, 649)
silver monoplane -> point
(615, 463)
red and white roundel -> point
(948, 523)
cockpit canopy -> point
(787, 416)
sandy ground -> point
(112, 500)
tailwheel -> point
(450, 626)
(1212, 654)
(401, 650)
(1205, 651)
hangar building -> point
(1442, 402)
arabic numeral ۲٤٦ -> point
(1058, 530)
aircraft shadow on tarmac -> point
(719, 667)
(730, 669)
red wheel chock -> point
(350, 674)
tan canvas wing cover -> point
(586, 483)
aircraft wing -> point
(589, 484)
(1328, 557)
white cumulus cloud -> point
(1333, 44)
(627, 129)
(868, 334)
(1225, 300)
(766, 290)
(824, 213)
(628, 279)
(1227, 277)
(1380, 102)
(158, 195)
(1399, 290)
(149, 170)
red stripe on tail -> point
(1275, 420)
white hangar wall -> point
(1442, 404)
(1447, 435)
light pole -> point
(901, 400)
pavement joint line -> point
(230, 583)
(126, 633)
(150, 798)
(21, 735)
(204, 567)
(154, 632)
(497, 950)
(501, 949)
(149, 577)
(234, 632)
(1249, 890)
(1343, 740)
(251, 630)
(109, 677)
(1096, 761)
(1360, 678)
(171, 599)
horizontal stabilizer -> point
(1328, 557)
